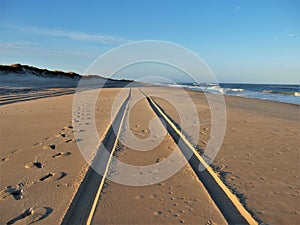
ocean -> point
(273, 92)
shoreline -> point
(224, 94)
(245, 97)
(185, 88)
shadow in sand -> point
(46, 212)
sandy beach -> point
(259, 158)
(150, 112)
(37, 140)
(42, 167)
(180, 199)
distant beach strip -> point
(285, 93)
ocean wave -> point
(217, 88)
(224, 90)
(236, 89)
(278, 93)
(282, 92)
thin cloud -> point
(79, 36)
(29, 48)
(291, 35)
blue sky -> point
(241, 41)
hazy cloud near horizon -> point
(33, 49)
(74, 35)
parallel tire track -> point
(5, 101)
(229, 205)
(85, 201)
(83, 206)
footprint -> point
(34, 164)
(57, 155)
(38, 164)
(38, 143)
(46, 177)
(15, 151)
(69, 140)
(3, 160)
(32, 215)
(53, 176)
(60, 135)
(16, 192)
(156, 213)
(62, 175)
(139, 197)
(160, 159)
(51, 146)
(209, 222)
(61, 154)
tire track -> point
(5, 101)
(85, 201)
(83, 206)
(229, 205)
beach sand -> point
(179, 198)
(41, 166)
(259, 157)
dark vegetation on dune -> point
(32, 82)
(23, 69)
